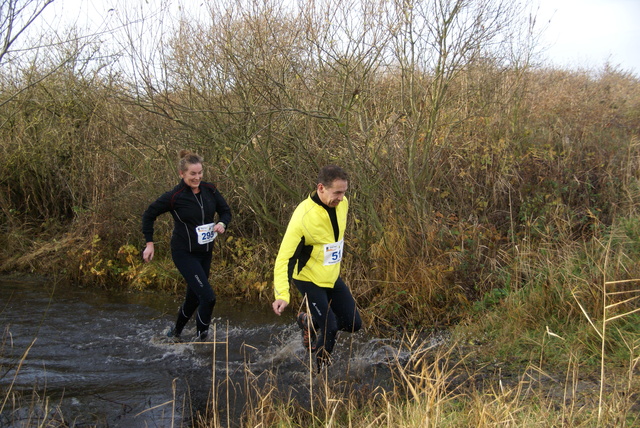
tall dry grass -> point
(444, 385)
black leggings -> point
(195, 268)
(333, 310)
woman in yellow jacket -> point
(309, 256)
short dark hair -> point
(329, 173)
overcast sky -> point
(591, 32)
(579, 33)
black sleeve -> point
(222, 208)
(159, 206)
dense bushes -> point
(456, 169)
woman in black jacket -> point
(193, 204)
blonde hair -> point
(187, 157)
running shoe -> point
(201, 337)
(308, 331)
(171, 334)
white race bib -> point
(205, 233)
(333, 253)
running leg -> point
(194, 267)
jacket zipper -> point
(201, 204)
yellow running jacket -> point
(309, 250)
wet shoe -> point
(200, 337)
(308, 331)
(171, 334)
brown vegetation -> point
(479, 181)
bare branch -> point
(15, 17)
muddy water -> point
(101, 358)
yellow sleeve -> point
(288, 247)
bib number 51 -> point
(333, 253)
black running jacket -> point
(188, 213)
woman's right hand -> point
(147, 254)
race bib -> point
(205, 233)
(333, 253)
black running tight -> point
(333, 310)
(195, 268)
